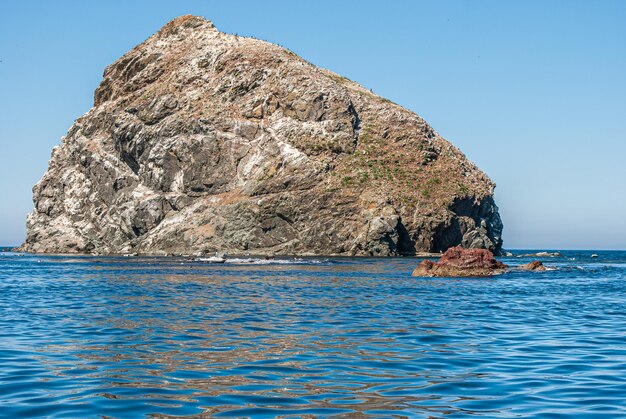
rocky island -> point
(201, 141)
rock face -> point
(204, 141)
(460, 262)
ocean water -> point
(108, 337)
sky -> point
(534, 92)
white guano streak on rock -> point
(289, 153)
(177, 183)
(143, 192)
(252, 160)
(176, 219)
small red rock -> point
(460, 262)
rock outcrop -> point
(460, 262)
(532, 266)
(200, 141)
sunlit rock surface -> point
(201, 141)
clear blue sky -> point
(534, 92)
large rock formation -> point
(204, 141)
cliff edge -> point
(201, 141)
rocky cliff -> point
(201, 141)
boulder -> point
(460, 262)
(533, 266)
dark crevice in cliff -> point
(475, 223)
(356, 122)
(356, 119)
(446, 236)
(406, 246)
(130, 161)
(284, 218)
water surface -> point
(131, 337)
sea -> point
(161, 337)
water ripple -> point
(168, 337)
